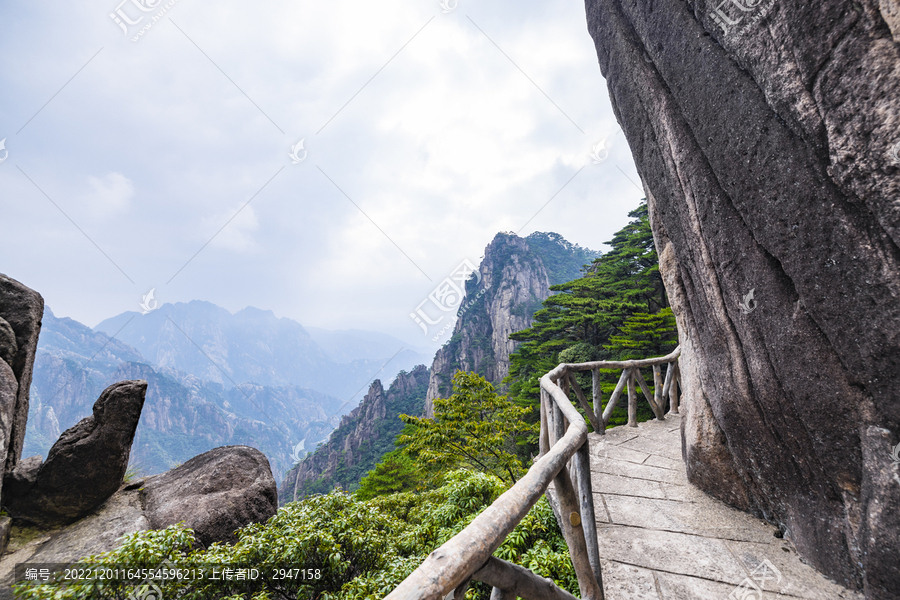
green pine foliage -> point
(617, 310)
(644, 335)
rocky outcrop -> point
(361, 439)
(20, 324)
(85, 466)
(513, 284)
(98, 532)
(215, 494)
(766, 135)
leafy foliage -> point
(395, 473)
(474, 427)
(355, 549)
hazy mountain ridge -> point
(361, 439)
(184, 414)
(255, 345)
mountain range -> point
(215, 379)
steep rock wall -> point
(766, 136)
(513, 284)
(20, 324)
(360, 440)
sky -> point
(330, 161)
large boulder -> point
(214, 493)
(85, 466)
(100, 531)
(767, 135)
(9, 393)
(21, 309)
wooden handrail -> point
(563, 438)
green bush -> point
(360, 549)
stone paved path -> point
(663, 539)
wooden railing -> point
(564, 462)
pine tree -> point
(593, 317)
(475, 428)
(645, 335)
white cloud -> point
(447, 145)
(109, 195)
(231, 229)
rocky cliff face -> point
(362, 438)
(766, 134)
(515, 277)
(21, 309)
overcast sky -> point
(425, 132)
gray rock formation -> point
(85, 466)
(20, 316)
(513, 284)
(8, 345)
(361, 440)
(766, 136)
(215, 494)
(98, 532)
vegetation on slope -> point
(340, 546)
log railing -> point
(563, 462)
(630, 378)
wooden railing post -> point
(673, 391)
(657, 409)
(544, 439)
(581, 462)
(559, 425)
(611, 405)
(588, 411)
(632, 401)
(597, 396)
(575, 538)
(657, 388)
